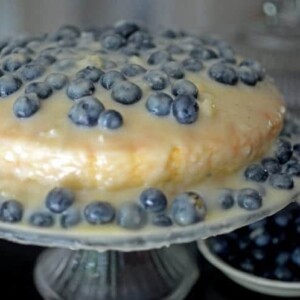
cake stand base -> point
(167, 273)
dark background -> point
(16, 280)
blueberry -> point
(243, 243)
(192, 64)
(142, 40)
(56, 80)
(211, 39)
(153, 200)
(26, 106)
(9, 84)
(223, 73)
(99, 213)
(188, 208)
(256, 173)
(70, 219)
(14, 62)
(156, 79)
(169, 33)
(161, 220)
(283, 273)
(184, 87)
(262, 239)
(126, 28)
(259, 254)
(282, 258)
(226, 200)
(45, 60)
(189, 43)
(11, 211)
(90, 73)
(13, 49)
(290, 128)
(92, 33)
(32, 71)
(297, 222)
(86, 111)
(255, 66)
(159, 104)
(284, 151)
(247, 75)
(59, 200)
(173, 69)
(131, 70)
(296, 256)
(159, 57)
(130, 50)
(113, 41)
(281, 181)
(79, 88)
(203, 54)
(279, 239)
(41, 219)
(67, 32)
(282, 218)
(6, 51)
(41, 89)
(219, 245)
(131, 216)
(249, 199)
(227, 54)
(110, 78)
(271, 165)
(174, 49)
(126, 92)
(296, 149)
(110, 119)
(185, 109)
(293, 160)
(247, 265)
(292, 168)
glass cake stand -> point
(147, 264)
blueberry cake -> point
(117, 128)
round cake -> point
(120, 128)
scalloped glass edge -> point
(140, 240)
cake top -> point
(120, 64)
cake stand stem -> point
(162, 274)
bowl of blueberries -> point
(263, 256)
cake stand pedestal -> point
(167, 273)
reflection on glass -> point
(275, 42)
